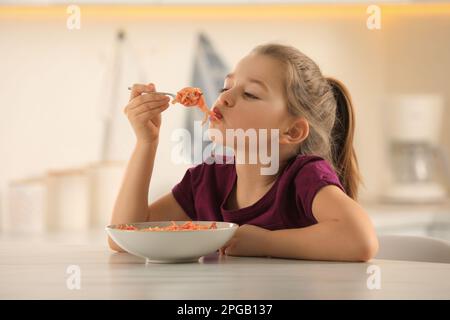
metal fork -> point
(164, 93)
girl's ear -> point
(296, 132)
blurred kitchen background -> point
(64, 140)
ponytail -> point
(343, 153)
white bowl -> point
(172, 246)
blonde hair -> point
(326, 104)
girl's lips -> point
(217, 113)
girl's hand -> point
(144, 112)
(248, 240)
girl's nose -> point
(226, 99)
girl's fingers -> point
(143, 108)
(137, 89)
(150, 114)
(130, 112)
(152, 103)
(134, 111)
(146, 98)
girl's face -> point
(253, 96)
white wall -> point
(55, 82)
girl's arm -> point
(132, 201)
(144, 113)
(344, 232)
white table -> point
(35, 268)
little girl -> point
(308, 209)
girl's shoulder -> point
(312, 167)
(309, 162)
(314, 171)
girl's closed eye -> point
(246, 94)
(251, 96)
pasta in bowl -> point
(170, 241)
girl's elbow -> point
(367, 248)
